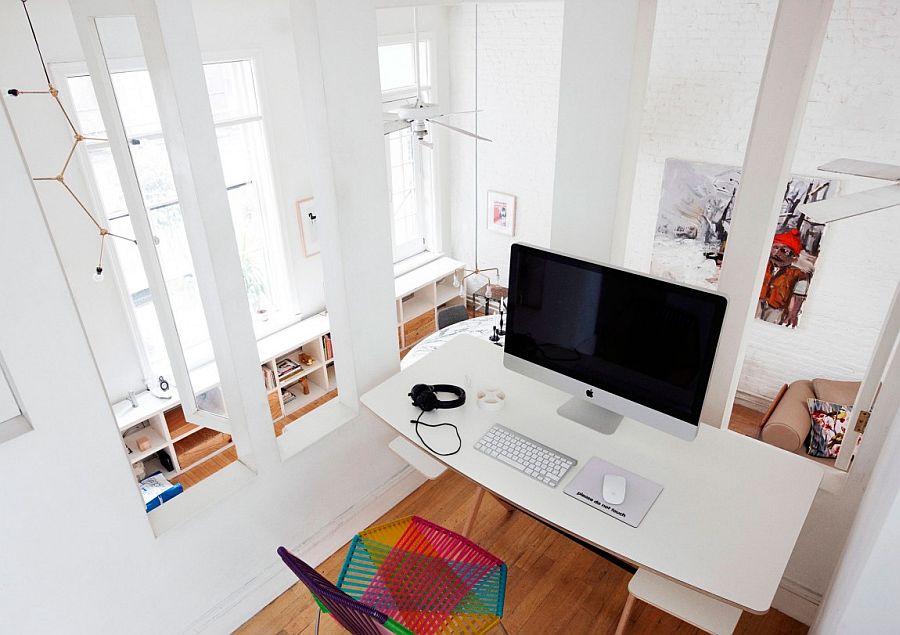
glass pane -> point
(137, 108)
(232, 93)
(397, 66)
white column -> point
(605, 57)
(341, 91)
(783, 92)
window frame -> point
(428, 215)
(281, 272)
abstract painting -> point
(695, 214)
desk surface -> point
(726, 521)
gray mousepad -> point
(640, 493)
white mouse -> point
(614, 489)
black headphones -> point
(425, 397)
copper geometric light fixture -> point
(77, 139)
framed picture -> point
(309, 231)
(501, 213)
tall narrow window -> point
(410, 176)
(239, 130)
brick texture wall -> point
(705, 70)
(519, 48)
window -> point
(242, 147)
(409, 163)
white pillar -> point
(780, 105)
(603, 78)
(341, 90)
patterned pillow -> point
(829, 422)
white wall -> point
(74, 529)
(705, 68)
(519, 49)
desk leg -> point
(471, 523)
(626, 613)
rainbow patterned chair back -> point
(413, 575)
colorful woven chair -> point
(410, 576)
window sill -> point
(314, 427)
(414, 262)
(211, 490)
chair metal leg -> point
(626, 613)
(318, 617)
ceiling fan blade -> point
(458, 112)
(394, 126)
(460, 130)
(842, 207)
(869, 169)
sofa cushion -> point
(829, 423)
(842, 392)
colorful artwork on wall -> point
(695, 214)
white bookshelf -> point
(425, 290)
(188, 445)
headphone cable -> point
(436, 425)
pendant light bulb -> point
(98, 274)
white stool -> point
(696, 609)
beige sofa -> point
(787, 423)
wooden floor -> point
(554, 585)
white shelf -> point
(186, 434)
(157, 443)
(153, 465)
(294, 378)
(290, 338)
(315, 391)
(445, 293)
(425, 275)
(416, 306)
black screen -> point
(647, 340)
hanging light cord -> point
(78, 138)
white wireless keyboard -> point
(541, 463)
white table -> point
(725, 523)
(480, 327)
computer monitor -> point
(622, 343)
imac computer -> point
(622, 343)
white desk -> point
(725, 524)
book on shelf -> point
(268, 377)
(326, 344)
(287, 396)
(287, 367)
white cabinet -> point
(421, 292)
(304, 346)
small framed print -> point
(501, 213)
(307, 216)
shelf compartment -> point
(420, 302)
(157, 443)
(301, 400)
(177, 425)
(199, 446)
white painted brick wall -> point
(519, 48)
(705, 70)
(706, 65)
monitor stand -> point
(590, 415)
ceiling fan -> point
(838, 208)
(421, 114)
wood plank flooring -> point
(554, 585)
